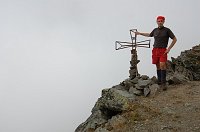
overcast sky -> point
(57, 55)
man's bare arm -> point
(143, 34)
(171, 45)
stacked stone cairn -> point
(134, 61)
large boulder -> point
(112, 102)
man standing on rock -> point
(160, 50)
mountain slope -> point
(139, 105)
(174, 110)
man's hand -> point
(167, 51)
(171, 45)
(137, 33)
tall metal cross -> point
(133, 45)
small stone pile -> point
(138, 86)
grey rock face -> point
(146, 92)
(134, 90)
(97, 118)
(153, 89)
(144, 77)
(187, 64)
(135, 80)
(114, 100)
(143, 83)
(100, 129)
(111, 103)
(177, 78)
(115, 122)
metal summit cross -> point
(133, 44)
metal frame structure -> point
(133, 44)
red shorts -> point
(158, 55)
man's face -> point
(160, 22)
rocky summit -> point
(139, 105)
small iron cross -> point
(133, 45)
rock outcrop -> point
(185, 67)
(121, 98)
(188, 63)
(114, 101)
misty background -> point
(57, 55)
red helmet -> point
(161, 17)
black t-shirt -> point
(161, 36)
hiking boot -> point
(163, 80)
(164, 87)
(159, 83)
